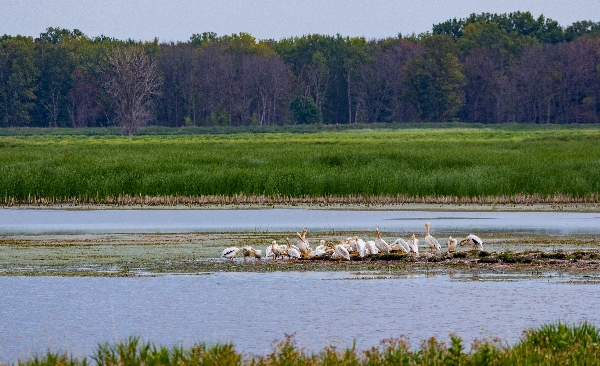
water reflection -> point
(252, 310)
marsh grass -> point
(554, 344)
(452, 166)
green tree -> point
(434, 81)
(583, 28)
(517, 23)
(494, 38)
(18, 74)
(304, 111)
(203, 39)
(356, 54)
(328, 55)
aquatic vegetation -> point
(553, 344)
(198, 253)
(452, 166)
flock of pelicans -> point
(346, 249)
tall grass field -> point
(410, 163)
(555, 344)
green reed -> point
(554, 344)
(413, 163)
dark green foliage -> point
(583, 28)
(434, 81)
(304, 111)
(518, 23)
(18, 73)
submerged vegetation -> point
(440, 165)
(554, 344)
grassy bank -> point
(436, 165)
(556, 344)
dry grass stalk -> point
(262, 200)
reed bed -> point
(554, 344)
(241, 200)
(445, 166)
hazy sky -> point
(177, 20)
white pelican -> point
(303, 245)
(258, 254)
(317, 253)
(269, 251)
(474, 240)
(451, 244)
(322, 246)
(348, 247)
(230, 252)
(401, 244)
(361, 248)
(274, 250)
(413, 244)
(371, 247)
(341, 252)
(292, 251)
(351, 241)
(247, 251)
(303, 235)
(430, 240)
(381, 244)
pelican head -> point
(378, 234)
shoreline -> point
(442, 207)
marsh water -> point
(38, 221)
(252, 310)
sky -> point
(177, 20)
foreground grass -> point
(555, 344)
(396, 166)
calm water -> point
(27, 221)
(252, 310)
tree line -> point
(486, 68)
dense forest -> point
(487, 68)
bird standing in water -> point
(451, 244)
(230, 252)
(474, 240)
(430, 240)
